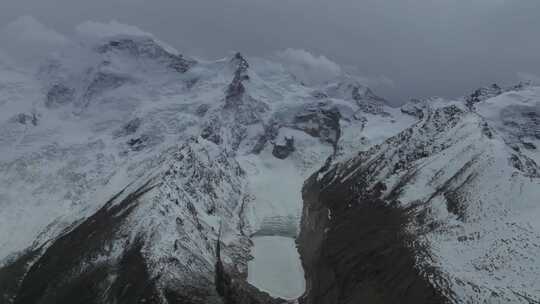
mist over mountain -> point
(425, 48)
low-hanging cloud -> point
(314, 69)
(27, 41)
(93, 29)
(309, 68)
(529, 78)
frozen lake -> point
(276, 267)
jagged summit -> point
(236, 89)
(239, 63)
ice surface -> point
(276, 267)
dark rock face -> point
(25, 119)
(271, 131)
(131, 127)
(283, 151)
(12, 274)
(59, 95)
(529, 146)
(240, 63)
(202, 110)
(147, 48)
(522, 121)
(212, 133)
(354, 248)
(369, 102)
(139, 143)
(520, 126)
(415, 107)
(321, 122)
(235, 90)
(525, 165)
(482, 94)
(103, 82)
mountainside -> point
(132, 173)
(442, 212)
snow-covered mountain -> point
(133, 173)
(445, 211)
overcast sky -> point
(406, 48)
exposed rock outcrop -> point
(59, 95)
(320, 121)
(415, 107)
(146, 48)
(235, 90)
(25, 119)
(366, 100)
(482, 94)
(282, 151)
